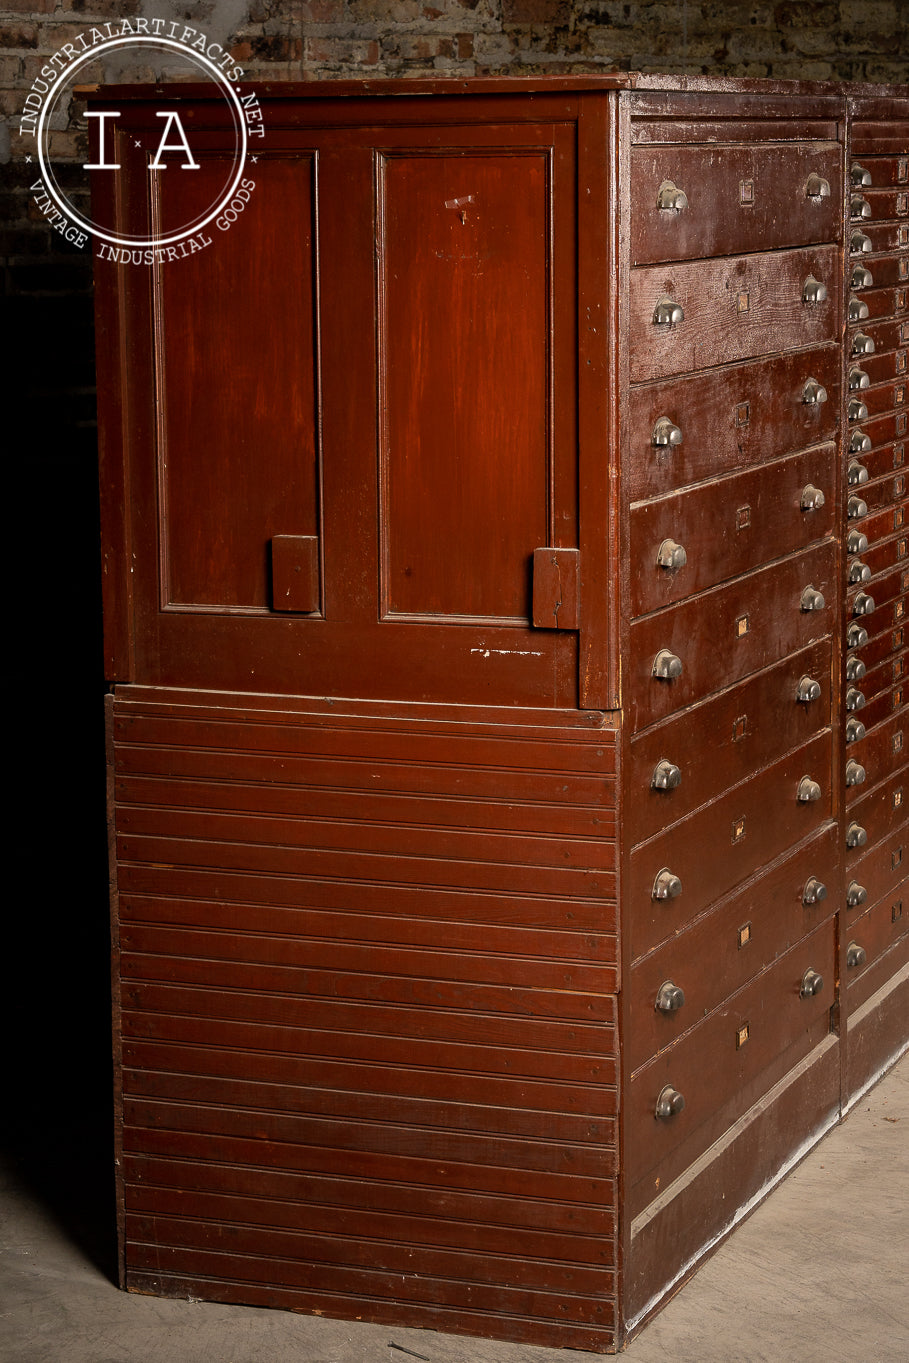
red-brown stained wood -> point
(739, 198)
(746, 414)
(734, 309)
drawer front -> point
(880, 647)
(730, 525)
(722, 741)
(884, 170)
(737, 199)
(729, 632)
(888, 334)
(879, 368)
(878, 493)
(880, 302)
(734, 418)
(882, 555)
(880, 753)
(886, 271)
(726, 947)
(728, 1060)
(883, 236)
(875, 873)
(880, 930)
(879, 814)
(878, 708)
(884, 523)
(734, 309)
(719, 846)
(886, 397)
(877, 681)
(882, 429)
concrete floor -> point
(818, 1273)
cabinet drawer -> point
(886, 397)
(881, 555)
(884, 170)
(879, 368)
(881, 930)
(734, 309)
(739, 198)
(886, 271)
(888, 334)
(729, 632)
(719, 846)
(888, 490)
(884, 523)
(882, 429)
(882, 751)
(724, 1064)
(726, 947)
(884, 236)
(880, 646)
(881, 302)
(734, 418)
(877, 680)
(877, 871)
(730, 525)
(721, 741)
(878, 814)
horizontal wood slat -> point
(368, 980)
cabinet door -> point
(357, 416)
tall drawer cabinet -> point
(505, 573)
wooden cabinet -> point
(505, 583)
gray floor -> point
(818, 1274)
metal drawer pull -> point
(859, 207)
(666, 776)
(862, 344)
(812, 499)
(813, 291)
(855, 956)
(859, 442)
(813, 392)
(858, 379)
(856, 473)
(856, 508)
(858, 309)
(808, 690)
(856, 835)
(808, 791)
(857, 410)
(669, 1104)
(855, 773)
(812, 983)
(667, 666)
(811, 600)
(855, 731)
(858, 572)
(815, 892)
(859, 243)
(817, 187)
(862, 278)
(856, 636)
(666, 885)
(666, 313)
(665, 433)
(855, 894)
(855, 668)
(669, 998)
(863, 604)
(855, 699)
(671, 198)
(859, 176)
(856, 542)
(671, 555)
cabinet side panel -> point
(368, 997)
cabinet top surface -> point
(516, 85)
